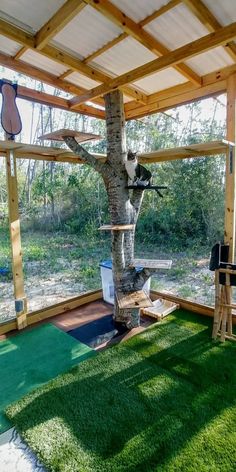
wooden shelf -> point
(138, 299)
(56, 154)
(152, 263)
(210, 148)
(78, 135)
(116, 227)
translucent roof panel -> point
(210, 61)
(41, 62)
(86, 33)
(124, 56)
(34, 14)
(160, 81)
(138, 9)
(223, 10)
(8, 46)
(182, 27)
(82, 81)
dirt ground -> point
(189, 278)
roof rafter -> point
(56, 102)
(171, 4)
(58, 21)
(220, 37)
(28, 40)
(133, 29)
(124, 35)
(213, 84)
(43, 76)
(202, 12)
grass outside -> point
(59, 266)
(164, 401)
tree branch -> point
(76, 148)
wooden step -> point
(116, 227)
(138, 299)
(152, 263)
(61, 133)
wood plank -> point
(15, 238)
(58, 21)
(42, 97)
(204, 44)
(104, 48)
(56, 154)
(163, 9)
(116, 227)
(193, 150)
(78, 135)
(212, 90)
(114, 14)
(202, 12)
(152, 263)
(138, 299)
(62, 57)
(230, 171)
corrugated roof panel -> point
(34, 13)
(38, 60)
(124, 56)
(160, 81)
(139, 9)
(87, 32)
(8, 46)
(82, 81)
(176, 27)
(210, 61)
(224, 11)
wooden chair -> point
(225, 279)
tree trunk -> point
(124, 205)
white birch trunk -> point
(124, 205)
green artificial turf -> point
(163, 401)
(31, 359)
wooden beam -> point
(206, 91)
(46, 77)
(230, 178)
(20, 53)
(171, 4)
(58, 21)
(15, 238)
(220, 37)
(110, 11)
(104, 48)
(28, 40)
(202, 12)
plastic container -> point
(107, 281)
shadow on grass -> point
(138, 406)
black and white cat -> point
(138, 174)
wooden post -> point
(229, 235)
(14, 226)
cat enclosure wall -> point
(89, 48)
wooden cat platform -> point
(138, 299)
(152, 263)
(78, 135)
(116, 227)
